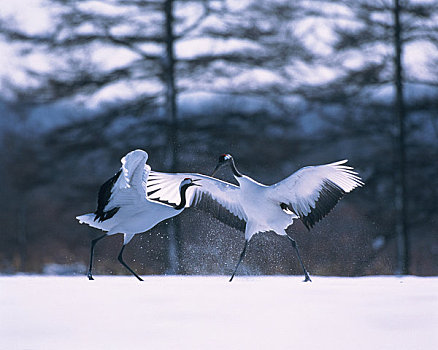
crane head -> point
(187, 182)
(224, 159)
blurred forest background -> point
(279, 84)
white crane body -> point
(263, 212)
(135, 220)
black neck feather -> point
(183, 198)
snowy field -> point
(211, 313)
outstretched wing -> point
(126, 187)
(313, 191)
(135, 173)
(219, 198)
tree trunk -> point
(171, 111)
(400, 152)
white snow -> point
(211, 313)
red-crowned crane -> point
(308, 194)
(123, 205)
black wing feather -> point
(103, 199)
(329, 196)
(205, 202)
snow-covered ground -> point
(210, 313)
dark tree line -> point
(381, 108)
(263, 105)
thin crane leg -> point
(294, 244)
(120, 257)
(93, 243)
(242, 255)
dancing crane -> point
(123, 205)
(308, 194)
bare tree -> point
(361, 95)
(148, 32)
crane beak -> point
(195, 184)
